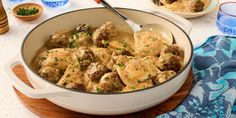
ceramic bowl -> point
(28, 5)
(211, 6)
(98, 103)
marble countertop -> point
(10, 43)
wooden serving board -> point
(45, 109)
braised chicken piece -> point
(101, 35)
(175, 50)
(58, 58)
(52, 63)
(149, 43)
(164, 76)
(95, 71)
(169, 62)
(102, 55)
(85, 56)
(133, 71)
(110, 82)
(73, 78)
(58, 40)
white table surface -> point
(10, 43)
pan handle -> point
(24, 88)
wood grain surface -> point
(45, 109)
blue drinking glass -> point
(16, 0)
(54, 3)
(226, 18)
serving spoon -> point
(138, 27)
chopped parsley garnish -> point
(120, 50)
(72, 44)
(27, 11)
(75, 36)
(56, 59)
(146, 52)
(139, 81)
(98, 90)
(105, 43)
(149, 75)
(120, 65)
(125, 44)
(68, 75)
(42, 58)
(90, 33)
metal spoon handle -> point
(135, 27)
(108, 6)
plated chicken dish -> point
(184, 5)
(105, 60)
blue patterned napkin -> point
(213, 94)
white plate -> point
(211, 7)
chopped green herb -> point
(75, 36)
(90, 33)
(125, 44)
(139, 81)
(146, 52)
(98, 90)
(133, 88)
(68, 75)
(27, 11)
(105, 43)
(149, 75)
(120, 50)
(87, 52)
(72, 44)
(80, 59)
(56, 59)
(120, 65)
(42, 58)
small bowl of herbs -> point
(27, 11)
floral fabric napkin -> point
(214, 91)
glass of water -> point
(18, 1)
(226, 18)
(54, 3)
